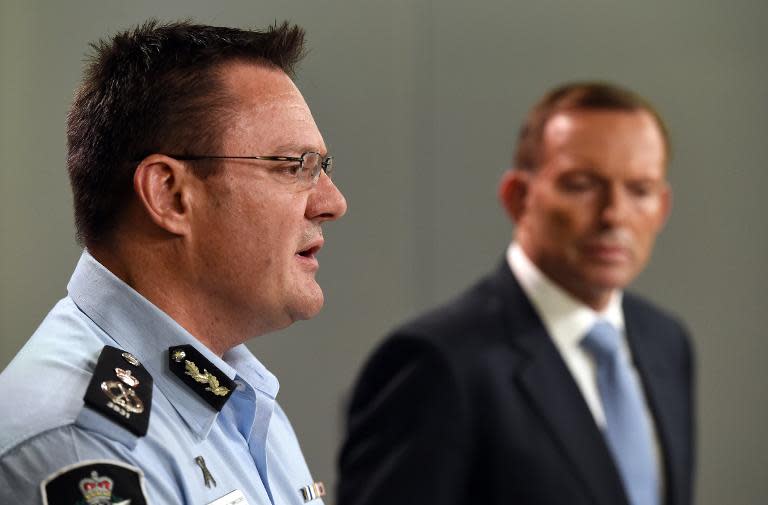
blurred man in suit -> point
(545, 383)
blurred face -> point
(258, 233)
(591, 213)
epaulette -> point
(121, 390)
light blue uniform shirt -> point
(44, 425)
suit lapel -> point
(661, 390)
(554, 394)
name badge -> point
(236, 497)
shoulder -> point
(658, 330)
(444, 346)
(43, 385)
(646, 309)
(645, 314)
(52, 466)
(412, 404)
(52, 434)
(460, 321)
(48, 383)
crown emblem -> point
(96, 490)
(126, 377)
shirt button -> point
(239, 385)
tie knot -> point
(602, 340)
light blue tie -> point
(626, 427)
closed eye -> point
(577, 182)
(642, 189)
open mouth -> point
(309, 253)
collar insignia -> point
(202, 376)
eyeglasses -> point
(307, 172)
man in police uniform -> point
(201, 184)
(544, 383)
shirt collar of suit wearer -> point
(566, 319)
(140, 328)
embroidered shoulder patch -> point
(121, 389)
(96, 482)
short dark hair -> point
(155, 88)
(576, 96)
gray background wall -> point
(419, 102)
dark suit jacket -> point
(472, 404)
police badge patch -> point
(95, 482)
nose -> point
(615, 205)
(326, 203)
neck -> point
(597, 301)
(161, 273)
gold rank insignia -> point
(201, 375)
(121, 390)
(205, 378)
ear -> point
(513, 192)
(161, 186)
(666, 205)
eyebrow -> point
(297, 149)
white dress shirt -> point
(567, 320)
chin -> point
(308, 312)
(308, 306)
(610, 279)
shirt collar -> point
(145, 331)
(566, 319)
